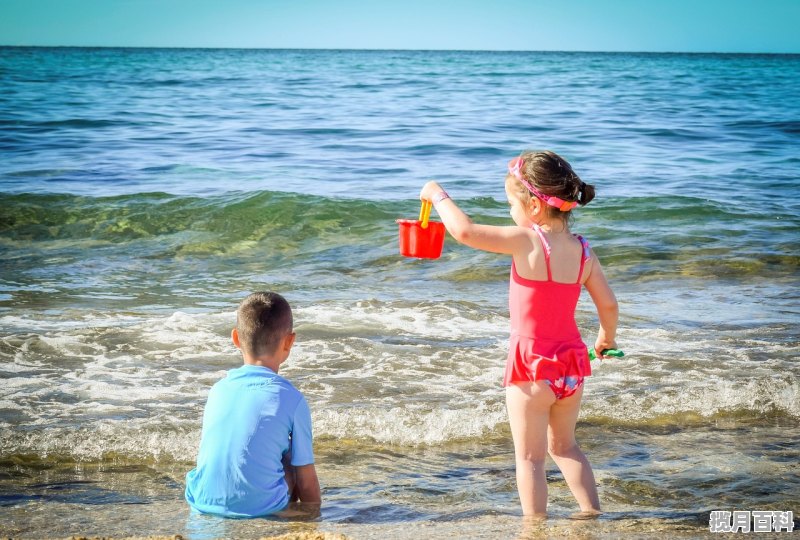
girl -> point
(547, 361)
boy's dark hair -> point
(262, 320)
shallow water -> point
(143, 193)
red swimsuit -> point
(545, 343)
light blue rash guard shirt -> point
(249, 419)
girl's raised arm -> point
(495, 239)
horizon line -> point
(348, 49)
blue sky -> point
(584, 25)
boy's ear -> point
(235, 339)
(288, 341)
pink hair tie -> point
(515, 168)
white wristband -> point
(439, 197)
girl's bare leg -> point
(567, 454)
(528, 407)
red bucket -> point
(421, 238)
(418, 242)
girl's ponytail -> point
(587, 193)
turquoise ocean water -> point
(143, 193)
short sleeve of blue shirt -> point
(302, 438)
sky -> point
(751, 26)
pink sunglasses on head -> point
(514, 167)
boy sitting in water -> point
(256, 447)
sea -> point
(145, 192)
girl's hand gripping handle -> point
(605, 353)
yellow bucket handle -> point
(425, 213)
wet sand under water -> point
(485, 527)
(649, 489)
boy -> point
(256, 447)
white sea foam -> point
(667, 373)
(131, 438)
(433, 321)
(409, 426)
(386, 372)
(39, 323)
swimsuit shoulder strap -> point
(585, 255)
(546, 247)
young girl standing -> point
(547, 360)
